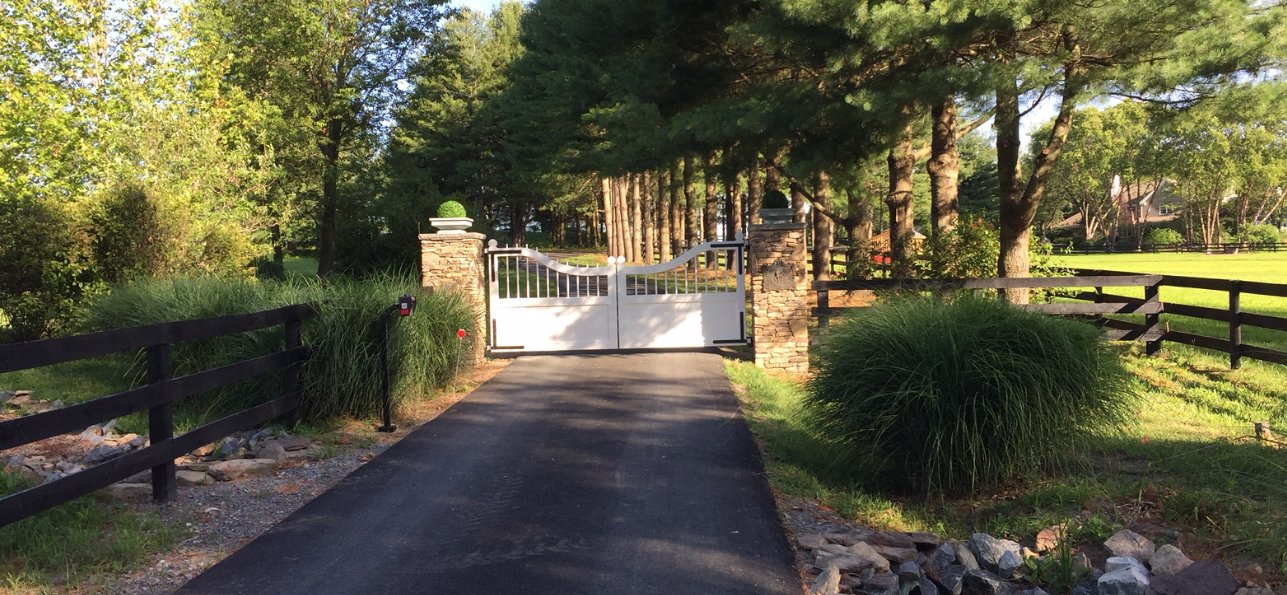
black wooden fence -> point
(157, 397)
(1151, 331)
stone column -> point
(455, 262)
(779, 297)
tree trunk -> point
(279, 252)
(620, 200)
(636, 214)
(733, 208)
(902, 231)
(797, 203)
(710, 218)
(691, 231)
(609, 225)
(944, 168)
(754, 192)
(663, 214)
(823, 230)
(677, 228)
(858, 227)
(518, 225)
(649, 222)
(330, 197)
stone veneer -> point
(455, 262)
(780, 311)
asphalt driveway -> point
(569, 474)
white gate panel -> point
(589, 324)
(538, 304)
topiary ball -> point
(951, 395)
(774, 199)
(451, 209)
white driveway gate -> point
(536, 303)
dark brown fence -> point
(1233, 316)
(1150, 306)
(157, 397)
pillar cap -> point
(451, 237)
(776, 226)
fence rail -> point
(1151, 331)
(1228, 247)
(157, 397)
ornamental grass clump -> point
(951, 395)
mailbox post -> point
(406, 306)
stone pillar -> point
(455, 262)
(779, 297)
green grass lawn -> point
(1269, 267)
(1187, 465)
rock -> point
(909, 572)
(880, 584)
(949, 577)
(965, 557)
(928, 587)
(19, 398)
(845, 538)
(1205, 577)
(845, 562)
(1130, 544)
(1048, 538)
(1033, 591)
(1119, 562)
(896, 555)
(982, 582)
(989, 550)
(193, 478)
(137, 441)
(808, 541)
(195, 466)
(294, 442)
(274, 451)
(232, 469)
(104, 453)
(228, 447)
(875, 561)
(133, 492)
(942, 557)
(827, 583)
(1168, 559)
(92, 434)
(890, 539)
(1123, 581)
(205, 451)
(140, 477)
(834, 549)
(1008, 564)
(924, 541)
(1255, 591)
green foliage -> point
(1163, 236)
(948, 395)
(451, 208)
(775, 199)
(1259, 235)
(47, 270)
(343, 375)
(969, 251)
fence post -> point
(1235, 324)
(160, 421)
(1152, 321)
(290, 375)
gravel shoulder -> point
(223, 517)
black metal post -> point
(384, 367)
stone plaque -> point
(778, 276)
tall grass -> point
(920, 393)
(342, 376)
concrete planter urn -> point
(450, 225)
(777, 215)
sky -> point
(479, 5)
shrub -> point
(775, 199)
(968, 251)
(342, 377)
(451, 208)
(1259, 235)
(937, 395)
(1163, 236)
(47, 271)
